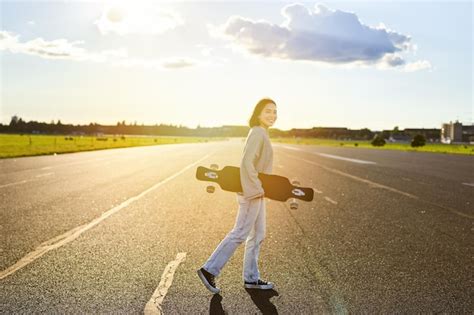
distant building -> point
(451, 132)
(399, 138)
(430, 134)
(468, 134)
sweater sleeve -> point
(251, 184)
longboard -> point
(276, 187)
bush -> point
(418, 141)
(356, 144)
(378, 141)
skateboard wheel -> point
(214, 166)
(293, 205)
(210, 189)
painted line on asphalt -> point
(469, 184)
(337, 157)
(331, 156)
(17, 183)
(43, 175)
(154, 305)
(330, 200)
(377, 185)
(26, 180)
(363, 180)
(63, 164)
(71, 235)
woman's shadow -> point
(261, 298)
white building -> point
(451, 132)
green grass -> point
(429, 147)
(15, 145)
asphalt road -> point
(98, 232)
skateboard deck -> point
(276, 187)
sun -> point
(115, 14)
(119, 11)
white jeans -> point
(250, 227)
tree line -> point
(18, 125)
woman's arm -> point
(251, 184)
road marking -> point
(377, 185)
(25, 180)
(331, 156)
(154, 304)
(337, 157)
(366, 181)
(330, 200)
(45, 174)
(16, 183)
(469, 184)
(71, 235)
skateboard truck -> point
(211, 188)
(297, 192)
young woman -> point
(250, 223)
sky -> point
(372, 64)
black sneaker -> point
(208, 279)
(260, 284)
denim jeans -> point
(249, 227)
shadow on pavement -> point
(216, 305)
(261, 298)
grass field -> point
(429, 147)
(14, 145)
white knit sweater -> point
(256, 158)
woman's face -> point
(268, 115)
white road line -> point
(71, 235)
(154, 304)
(469, 184)
(330, 200)
(17, 183)
(64, 164)
(45, 174)
(331, 156)
(366, 181)
(377, 185)
(25, 180)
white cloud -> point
(55, 49)
(176, 63)
(417, 65)
(66, 50)
(136, 18)
(320, 35)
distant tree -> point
(418, 141)
(378, 141)
(14, 120)
(59, 122)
